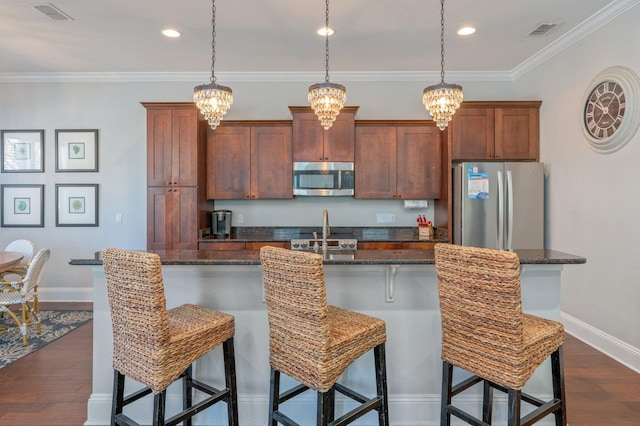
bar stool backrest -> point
(135, 290)
(297, 311)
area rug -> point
(55, 324)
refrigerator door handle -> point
(500, 233)
(509, 211)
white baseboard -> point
(615, 348)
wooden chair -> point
(156, 346)
(23, 292)
(485, 332)
(315, 343)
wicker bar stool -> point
(313, 342)
(156, 346)
(485, 332)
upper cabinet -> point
(311, 142)
(249, 160)
(496, 131)
(394, 160)
(172, 149)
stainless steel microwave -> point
(323, 179)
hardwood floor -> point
(51, 386)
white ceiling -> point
(279, 36)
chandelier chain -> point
(442, 40)
(326, 41)
(213, 40)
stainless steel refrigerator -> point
(499, 205)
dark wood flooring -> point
(51, 386)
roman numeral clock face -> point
(611, 109)
(604, 111)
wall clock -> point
(611, 109)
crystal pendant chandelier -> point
(213, 100)
(327, 99)
(442, 100)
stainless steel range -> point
(334, 242)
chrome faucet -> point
(325, 229)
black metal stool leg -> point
(324, 401)
(230, 381)
(487, 401)
(332, 405)
(445, 400)
(515, 400)
(381, 383)
(159, 406)
(187, 392)
(118, 396)
(274, 395)
(557, 371)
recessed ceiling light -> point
(171, 32)
(325, 31)
(465, 31)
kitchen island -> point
(398, 286)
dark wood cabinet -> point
(311, 142)
(176, 201)
(250, 160)
(496, 131)
(397, 160)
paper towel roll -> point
(416, 204)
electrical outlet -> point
(118, 217)
(240, 218)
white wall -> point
(593, 199)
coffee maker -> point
(221, 223)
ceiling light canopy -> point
(327, 99)
(442, 100)
(213, 100)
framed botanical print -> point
(76, 204)
(22, 206)
(77, 150)
(22, 151)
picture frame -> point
(22, 151)
(77, 204)
(22, 206)
(76, 150)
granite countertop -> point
(335, 257)
(364, 234)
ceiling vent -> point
(543, 28)
(53, 12)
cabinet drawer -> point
(258, 245)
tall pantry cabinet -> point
(177, 207)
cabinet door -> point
(418, 162)
(308, 137)
(184, 225)
(159, 232)
(339, 140)
(172, 139)
(229, 163)
(159, 147)
(375, 165)
(184, 151)
(472, 134)
(271, 165)
(517, 133)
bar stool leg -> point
(323, 410)
(487, 402)
(159, 406)
(187, 391)
(445, 399)
(274, 395)
(230, 381)
(515, 400)
(557, 371)
(332, 405)
(118, 396)
(381, 383)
